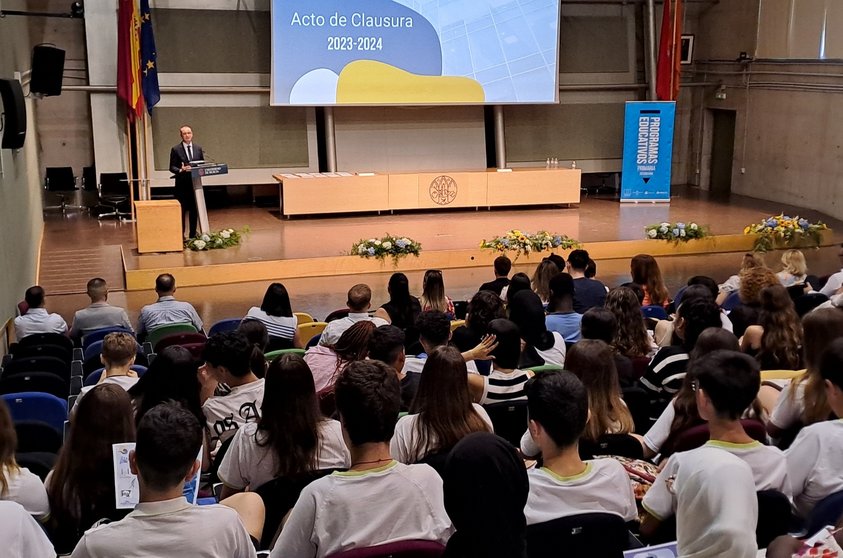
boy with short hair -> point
(118, 355)
(378, 500)
(814, 459)
(566, 485)
(164, 523)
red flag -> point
(670, 52)
(128, 58)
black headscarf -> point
(486, 489)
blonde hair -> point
(793, 262)
(8, 444)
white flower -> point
(205, 237)
(225, 234)
(200, 244)
(666, 225)
(652, 233)
(662, 229)
(229, 231)
(682, 232)
(361, 249)
(693, 226)
(387, 245)
(377, 243)
(218, 242)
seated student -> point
(359, 301)
(567, 485)
(37, 319)
(542, 346)
(18, 484)
(99, 314)
(387, 346)
(227, 359)
(378, 500)
(561, 316)
(483, 307)
(503, 266)
(258, 336)
(725, 385)
(590, 293)
(437, 423)
(164, 523)
(20, 535)
(713, 496)
(291, 437)
(326, 363)
(814, 458)
(601, 324)
(276, 314)
(506, 381)
(118, 356)
(434, 330)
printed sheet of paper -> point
(126, 490)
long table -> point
(325, 193)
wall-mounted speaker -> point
(47, 70)
(14, 114)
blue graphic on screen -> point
(380, 52)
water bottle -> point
(547, 165)
(573, 165)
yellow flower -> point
(746, 230)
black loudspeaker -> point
(14, 114)
(47, 70)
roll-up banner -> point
(647, 151)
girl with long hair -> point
(291, 438)
(631, 338)
(803, 401)
(170, 377)
(645, 272)
(403, 308)
(540, 283)
(483, 307)
(326, 363)
(437, 423)
(433, 294)
(747, 313)
(794, 269)
(592, 361)
(519, 282)
(541, 346)
(777, 341)
(277, 315)
(733, 283)
(81, 486)
(256, 333)
(18, 484)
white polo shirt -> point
(405, 441)
(25, 488)
(768, 464)
(226, 413)
(170, 528)
(814, 464)
(21, 535)
(336, 328)
(38, 320)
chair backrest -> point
(303, 318)
(272, 355)
(56, 351)
(60, 179)
(114, 184)
(161, 332)
(622, 445)
(46, 339)
(337, 314)
(587, 534)
(654, 312)
(99, 334)
(228, 324)
(509, 419)
(49, 364)
(37, 435)
(545, 368)
(826, 512)
(314, 340)
(43, 382)
(773, 516)
(94, 377)
(399, 549)
(278, 343)
(89, 178)
(195, 349)
(731, 302)
(37, 406)
(38, 462)
(179, 339)
(309, 329)
(460, 309)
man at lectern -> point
(181, 156)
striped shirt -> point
(167, 311)
(666, 371)
(276, 326)
(502, 386)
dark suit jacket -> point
(179, 157)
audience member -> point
(437, 423)
(227, 359)
(164, 523)
(276, 314)
(733, 283)
(591, 270)
(482, 309)
(566, 485)
(519, 282)
(326, 363)
(359, 302)
(434, 329)
(835, 281)
(645, 272)
(37, 319)
(378, 500)
(22, 536)
(117, 356)
(172, 376)
(540, 283)
(433, 294)
(588, 293)
(486, 488)
(258, 336)
(776, 342)
(387, 345)
(561, 316)
(166, 310)
(794, 269)
(701, 280)
(18, 484)
(81, 486)
(703, 287)
(814, 458)
(631, 337)
(561, 265)
(506, 381)
(601, 324)
(542, 346)
(403, 309)
(803, 401)
(290, 438)
(503, 266)
(746, 313)
(99, 314)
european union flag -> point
(149, 81)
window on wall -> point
(801, 29)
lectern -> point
(197, 171)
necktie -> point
(189, 153)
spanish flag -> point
(128, 58)
(668, 69)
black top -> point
(404, 318)
(465, 339)
(495, 286)
(588, 293)
(409, 387)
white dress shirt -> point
(38, 320)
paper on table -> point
(667, 550)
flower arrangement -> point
(782, 231)
(676, 232)
(225, 238)
(396, 247)
(525, 243)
